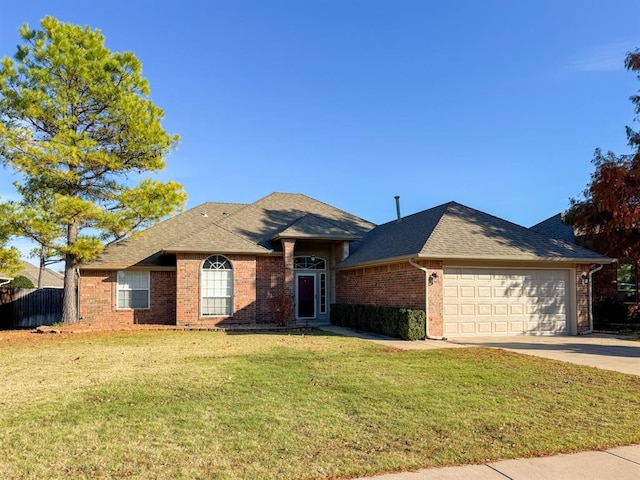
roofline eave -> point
(346, 238)
(602, 260)
(418, 256)
(263, 251)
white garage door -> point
(505, 302)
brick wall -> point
(269, 280)
(393, 285)
(582, 299)
(188, 267)
(98, 299)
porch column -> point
(288, 245)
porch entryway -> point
(311, 288)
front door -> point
(306, 296)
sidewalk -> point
(622, 463)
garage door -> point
(505, 302)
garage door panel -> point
(501, 301)
(484, 292)
(467, 310)
(467, 291)
(450, 292)
(499, 309)
(500, 327)
(516, 327)
(485, 327)
(486, 310)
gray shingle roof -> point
(262, 220)
(554, 227)
(50, 278)
(145, 248)
(233, 228)
(454, 231)
(312, 226)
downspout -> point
(427, 335)
(5, 281)
(590, 289)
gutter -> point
(427, 335)
(590, 312)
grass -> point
(202, 405)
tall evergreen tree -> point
(76, 124)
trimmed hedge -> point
(390, 321)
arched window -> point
(217, 287)
(309, 263)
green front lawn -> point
(209, 405)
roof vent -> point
(397, 197)
(204, 214)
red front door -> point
(306, 296)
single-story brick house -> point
(219, 263)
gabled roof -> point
(454, 231)
(264, 219)
(312, 226)
(50, 279)
(554, 227)
(234, 228)
(146, 248)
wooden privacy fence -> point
(29, 307)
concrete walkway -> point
(603, 351)
(621, 463)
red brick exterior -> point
(97, 291)
(189, 266)
(175, 295)
(269, 282)
(288, 254)
(394, 285)
(582, 298)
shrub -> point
(281, 307)
(20, 282)
(391, 321)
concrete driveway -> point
(595, 350)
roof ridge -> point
(327, 205)
(421, 212)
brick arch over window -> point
(216, 287)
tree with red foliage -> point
(608, 217)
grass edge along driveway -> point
(210, 405)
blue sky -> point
(498, 105)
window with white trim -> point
(216, 287)
(133, 290)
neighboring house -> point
(473, 273)
(618, 280)
(50, 279)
